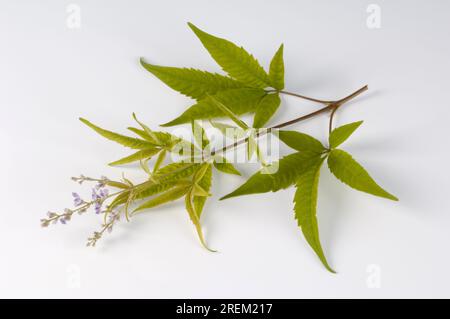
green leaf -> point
(151, 188)
(169, 196)
(252, 145)
(234, 60)
(142, 134)
(289, 169)
(193, 214)
(199, 135)
(142, 191)
(139, 155)
(199, 192)
(305, 200)
(266, 109)
(350, 172)
(205, 183)
(127, 141)
(118, 200)
(190, 82)
(176, 171)
(276, 71)
(221, 164)
(148, 132)
(117, 184)
(342, 133)
(301, 141)
(239, 101)
(229, 131)
(229, 113)
(159, 160)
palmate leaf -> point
(301, 141)
(341, 134)
(169, 196)
(240, 101)
(139, 155)
(191, 82)
(350, 172)
(267, 107)
(276, 71)
(234, 60)
(221, 164)
(127, 141)
(289, 169)
(305, 200)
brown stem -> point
(333, 105)
(330, 124)
(303, 97)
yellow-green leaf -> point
(127, 141)
(276, 71)
(195, 218)
(228, 112)
(267, 107)
(305, 200)
(301, 141)
(191, 82)
(176, 171)
(350, 172)
(239, 101)
(199, 135)
(341, 134)
(221, 164)
(229, 131)
(169, 196)
(287, 170)
(205, 183)
(139, 155)
(234, 60)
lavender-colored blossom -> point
(94, 194)
(51, 214)
(103, 192)
(98, 195)
(98, 208)
(77, 201)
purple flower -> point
(51, 214)
(98, 195)
(103, 192)
(77, 201)
(94, 194)
(98, 208)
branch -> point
(332, 105)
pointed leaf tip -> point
(350, 172)
(305, 209)
(276, 70)
(340, 134)
(233, 59)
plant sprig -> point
(247, 88)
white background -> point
(51, 74)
